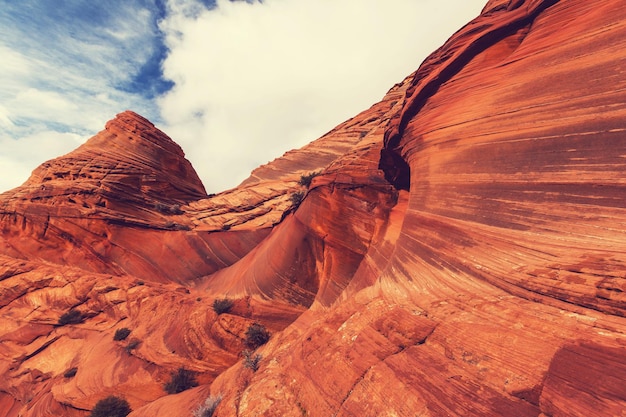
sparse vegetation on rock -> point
(111, 406)
(251, 361)
(73, 316)
(222, 305)
(296, 198)
(181, 380)
(70, 372)
(121, 334)
(208, 408)
(256, 335)
(306, 179)
(132, 345)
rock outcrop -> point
(459, 250)
(106, 206)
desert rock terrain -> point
(457, 249)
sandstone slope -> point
(461, 251)
(496, 287)
(109, 232)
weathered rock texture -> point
(461, 252)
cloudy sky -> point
(235, 83)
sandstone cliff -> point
(460, 252)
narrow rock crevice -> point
(41, 348)
(439, 68)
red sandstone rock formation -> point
(461, 251)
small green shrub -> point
(223, 305)
(70, 372)
(305, 180)
(296, 198)
(251, 361)
(256, 335)
(73, 316)
(121, 334)
(181, 380)
(111, 406)
(208, 408)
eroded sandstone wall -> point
(460, 252)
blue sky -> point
(236, 84)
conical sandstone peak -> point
(129, 160)
(101, 207)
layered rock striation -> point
(116, 205)
(503, 253)
(459, 250)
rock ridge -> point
(480, 272)
(497, 23)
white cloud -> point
(50, 105)
(5, 120)
(61, 81)
(16, 160)
(254, 80)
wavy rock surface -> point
(496, 286)
(461, 251)
(168, 305)
(117, 205)
(171, 326)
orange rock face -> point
(460, 252)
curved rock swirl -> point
(524, 170)
(496, 285)
(478, 272)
